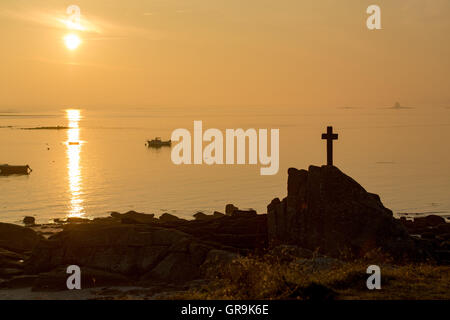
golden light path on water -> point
(73, 165)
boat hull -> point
(9, 170)
(159, 144)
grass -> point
(319, 278)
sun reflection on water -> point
(73, 164)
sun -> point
(72, 41)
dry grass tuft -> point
(284, 276)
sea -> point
(97, 160)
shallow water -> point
(400, 154)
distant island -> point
(48, 128)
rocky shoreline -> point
(325, 214)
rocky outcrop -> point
(140, 249)
(16, 243)
(131, 250)
(16, 238)
(327, 210)
(434, 231)
(232, 210)
(167, 217)
(246, 232)
(11, 263)
(133, 217)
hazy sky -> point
(225, 52)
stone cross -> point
(329, 136)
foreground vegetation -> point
(285, 276)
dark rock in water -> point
(328, 210)
(134, 217)
(218, 214)
(29, 221)
(16, 238)
(167, 217)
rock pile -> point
(126, 249)
(327, 210)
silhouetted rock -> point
(434, 231)
(202, 216)
(181, 264)
(218, 214)
(77, 220)
(167, 217)
(20, 281)
(429, 221)
(134, 217)
(10, 272)
(229, 209)
(250, 213)
(29, 221)
(153, 253)
(232, 210)
(443, 228)
(16, 238)
(327, 210)
(9, 259)
(241, 231)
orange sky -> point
(225, 53)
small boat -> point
(6, 169)
(74, 143)
(158, 143)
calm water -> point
(403, 155)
